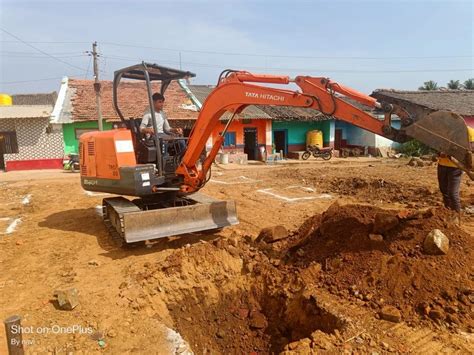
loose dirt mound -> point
(393, 270)
(238, 296)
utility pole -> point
(97, 85)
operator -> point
(449, 178)
(162, 125)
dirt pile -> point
(391, 269)
(245, 295)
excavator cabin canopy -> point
(147, 72)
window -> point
(8, 142)
(229, 139)
(80, 131)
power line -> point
(50, 42)
(41, 51)
(88, 67)
(28, 81)
(249, 54)
(40, 56)
(220, 66)
(60, 53)
(299, 69)
(280, 56)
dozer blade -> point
(134, 225)
(445, 132)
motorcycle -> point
(72, 163)
(325, 153)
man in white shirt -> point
(162, 124)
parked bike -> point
(325, 153)
(73, 163)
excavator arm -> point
(238, 89)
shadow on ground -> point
(87, 221)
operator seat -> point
(145, 149)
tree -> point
(429, 85)
(454, 85)
(469, 84)
(414, 148)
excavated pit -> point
(242, 322)
(232, 299)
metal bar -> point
(117, 78)
(14, 338)
(159, 162)
(227, 125)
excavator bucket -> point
(131, 224)
(446, 132)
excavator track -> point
(107, 213)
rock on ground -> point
(416, 162)
(272, 234)
(67, 299)
(384, 222)
(376, 237)
(390, 314)
(436, 243)
(257, 320)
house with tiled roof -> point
(76, 109)
(27, 139)
(459, 101)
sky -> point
(363, 44)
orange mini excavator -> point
(166, 180)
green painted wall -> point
(297, 130)
(69, 132)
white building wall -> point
(35, 140)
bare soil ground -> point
(320, 289)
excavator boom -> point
(441, 130)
